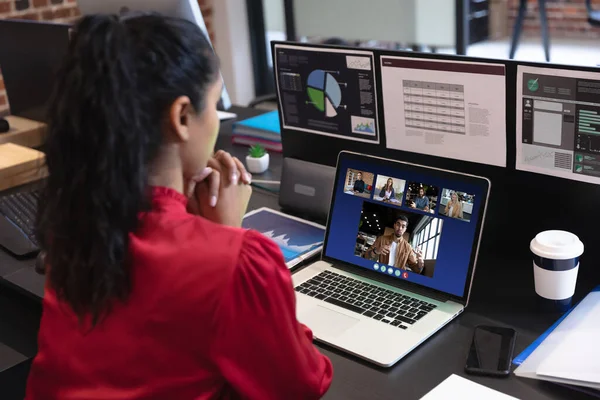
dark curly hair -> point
(401, 217)
(105, 127)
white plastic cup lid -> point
(556, 245)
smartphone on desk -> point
(491, 351)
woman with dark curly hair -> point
(153, 289)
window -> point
(351, 178)
(428, 237)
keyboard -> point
(17, 222)
(366, 299)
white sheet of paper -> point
(458, 388)
(224, 115)
(447, 109)
(558, 123)
(577, 357)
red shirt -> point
(211, 316)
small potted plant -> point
(257, 159)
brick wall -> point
(62, 11)
(207, 12)
(566, 19)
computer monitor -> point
(185, 9)
(328, 91)
(30, 63)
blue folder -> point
(518, 360)
(264, 123)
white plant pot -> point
(257, 165)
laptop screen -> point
(407, 222)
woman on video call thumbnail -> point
(454, 207)
(387, 192)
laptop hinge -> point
(427, 293)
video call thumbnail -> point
(455, 204)
(389, 190)
(422, 197)
(404, 240)
(359, 183)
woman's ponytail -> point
(105, 127)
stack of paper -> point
(570, 354)
(24, 132)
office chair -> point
(336, 41)
(519, 26)
(593, 15)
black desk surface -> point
(497, 299)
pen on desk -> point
(264, 182)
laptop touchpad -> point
(326, 322)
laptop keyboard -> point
(20, 209)
(364, 298)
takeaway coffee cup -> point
(555, 267)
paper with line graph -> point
(297, 238)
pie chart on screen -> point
(324, 92)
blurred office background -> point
(241, 30)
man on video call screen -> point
(421, 202)
(392, 249)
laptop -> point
(398, 257)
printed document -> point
(445, 108)
(558, 123)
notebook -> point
(577, 357)
(251, 141)
(569, 354)
(518, 360)
(262, 129)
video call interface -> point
(411, 227)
